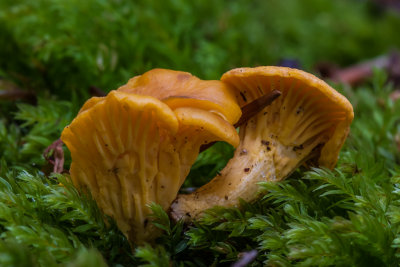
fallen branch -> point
(54, 155)
(358, 73)
(251, 110)
(9, 91)
(96, 91)
(245, 258)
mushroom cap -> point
(211, 127)
(306, 92)
(90, 103)
(182, 89)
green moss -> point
(58, 49)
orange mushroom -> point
(307, 124)
(130, 149)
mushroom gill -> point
(308, 124)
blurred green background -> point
(64, 47)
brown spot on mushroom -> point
(183, 76)
(265, 142)
(113, 170)
(243, 96)
(295, 148)
(319, 146)
(299, 110)
(246, 169)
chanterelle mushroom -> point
(130, 149)
(308, 123)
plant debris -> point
(54, 154)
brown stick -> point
(250, 110)
(10, 91)
(96, 91)
(256, 106)
(57, 157)
(392, 4)
(246, 258)
(358, 73)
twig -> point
(246, 258)
(397, 141)
(254, 107)
(96, 91)
(393, 4)
(251, 110)
(395, 95)
(10, 91)
(358, 73)
(57, 157)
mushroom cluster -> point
(136, 145)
